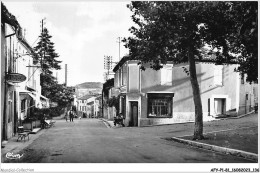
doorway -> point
(133, 114)
(219, 106)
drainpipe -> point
(102, 103)
(5, 92)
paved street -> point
(90, 141)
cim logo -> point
(13, 156)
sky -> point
(83, 32)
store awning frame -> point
(31, 95)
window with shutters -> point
(218, 75)
(166, 76)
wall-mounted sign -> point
(15, 77)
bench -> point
(23, 135)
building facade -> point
(89, 106)
(165, 96)
(20, 77)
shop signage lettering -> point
(15, 77)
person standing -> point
(71, 115)
(66, 116)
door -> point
(219, 106)
(134, 114)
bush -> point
(39, 113)
(55, 111)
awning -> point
(160, 94)
(23, 91)
(33, 96)
(163, 92)
(90, 103)
(10, 83)
(41, 96)
(44, 97)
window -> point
(124, 74)
(121, 76)
(166, 76)
(242, 79)
(23, 105)
(160, 105)
(133, 83)
(218, 75)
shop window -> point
(160, 105)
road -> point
(90, 141)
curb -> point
(234, 152)
(241, 116)
(106, 123)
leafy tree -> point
(61, 94)
(178, 32)
(247, 15)
(234, 32)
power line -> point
(35, 41)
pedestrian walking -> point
(66, 116)
(71, 114)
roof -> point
(85, 97)
(121, 62)
(7, 17)
(211, 59)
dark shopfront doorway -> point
(133, 114)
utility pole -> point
(66, 75)
(42, 23)
(107, 65)
(119, 40)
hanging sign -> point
(15, 77)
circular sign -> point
(15, 77)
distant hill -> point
(88, 88)
(89, 85)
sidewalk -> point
(241, 142)
(235, 140)
(14, 146)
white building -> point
(89, 105)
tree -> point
(178, 32)
(48, 57)
(247, 14)
(235, 30)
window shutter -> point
(166, 76)
(218, 75)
